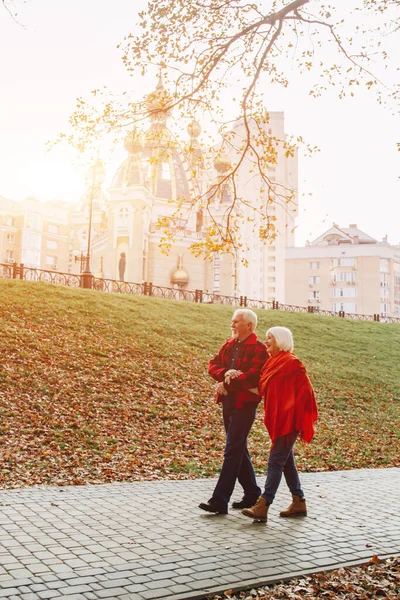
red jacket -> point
(289, 400)
(252, 356)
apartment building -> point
(347, 270)
(35, 233)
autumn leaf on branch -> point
(214, 60)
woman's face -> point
(271, 344)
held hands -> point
(229, 375)
(232, 374)
(221, 390)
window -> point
(10, 237)
(10, 221)
(31, 240)
(271, 269)
(123, 213)
(314, 265)
(314, 279)
(344, 276)
(384, 279)
(345, 292)
(30, 257)
(314, 296)
(51, 261)
(347, 307)
(385, 309)
(9, 256)
(385, 294)
(52, 229)
(384, 265)
(52, 244)
(33, 221)
(165, 171)
(343, 262)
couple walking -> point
(246, 370)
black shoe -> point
(211, 507)
(244, 503)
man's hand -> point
(220, 388)
(232, 374)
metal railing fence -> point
(88, 281)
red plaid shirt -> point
(252, 356)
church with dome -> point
(125, 240)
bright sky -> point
(67, 48)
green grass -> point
(97, 387)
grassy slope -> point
(97, 387)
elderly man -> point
(237, 368)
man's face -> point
(240, 328)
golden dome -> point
(194, 129)
(222, 162)
(179, 276)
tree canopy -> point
(214, 58)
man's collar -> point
(250, 339)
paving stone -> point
(6, 593)
(115, 583)
(85, 542)
(48, 594)
(182, 579)
(74, 590)
(110, 593)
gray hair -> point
(283, 337)
(248, 315)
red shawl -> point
(289, 400)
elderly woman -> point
(289, 412)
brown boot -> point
(298, 508)
(259, 511)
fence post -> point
(310, 309)
(198, 296)
(14, 270)
(147, 288)
(243, 301)
(376, 317)
(275, 304)
(341, 313)
(21, 271)
(87, 280)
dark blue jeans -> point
(281, 460)
(237, 463)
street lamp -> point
(79, 257)
(96, 177)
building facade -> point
(35, 234)
(125, 241)
(347, 270)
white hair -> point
(248, 315)
(283, 337)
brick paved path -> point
(149, 540)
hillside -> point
(97, 387)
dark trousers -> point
(281, 460)
(237, 463)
